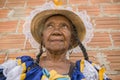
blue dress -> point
(25, 68)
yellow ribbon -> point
(101, 73)
(19, 61)
(82, 65)
(23, 67)
(58, 2)
(53, 76)
(22, 76)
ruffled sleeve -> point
(77, 74)
(22, 68)
(86, 70)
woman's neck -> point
(56, 56)
(61, 65)
(55, 61)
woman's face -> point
(57, 33)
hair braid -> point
(83, 50)
(40, 53)
(80, 44)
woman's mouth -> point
(56, 39)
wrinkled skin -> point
(57, 40)
(57, 34)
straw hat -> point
(38, 21)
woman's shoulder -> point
(18, 61)
(18, 68)
(90, 70)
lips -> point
(56, 39)
(53, 40)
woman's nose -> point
(56, 31)
(57, 27)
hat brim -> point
(39, 20)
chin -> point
(57, 48)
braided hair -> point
(39, 54)
(75, 34)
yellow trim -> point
(101, 73)
(22, 76)
(82, 65)
(54, 75)
(19, 61)
(43, 77)
(23, 67)
(58, 2)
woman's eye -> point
(50, 26)
(64, 26)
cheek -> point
(68, 37)
(45, 37)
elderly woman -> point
(57, 31)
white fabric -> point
(8, 65)
(11, 70)
(16, 71)
(89, 71)
(18, 78)
(98, 67)
(50, 5)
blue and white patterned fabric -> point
(24, 68)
